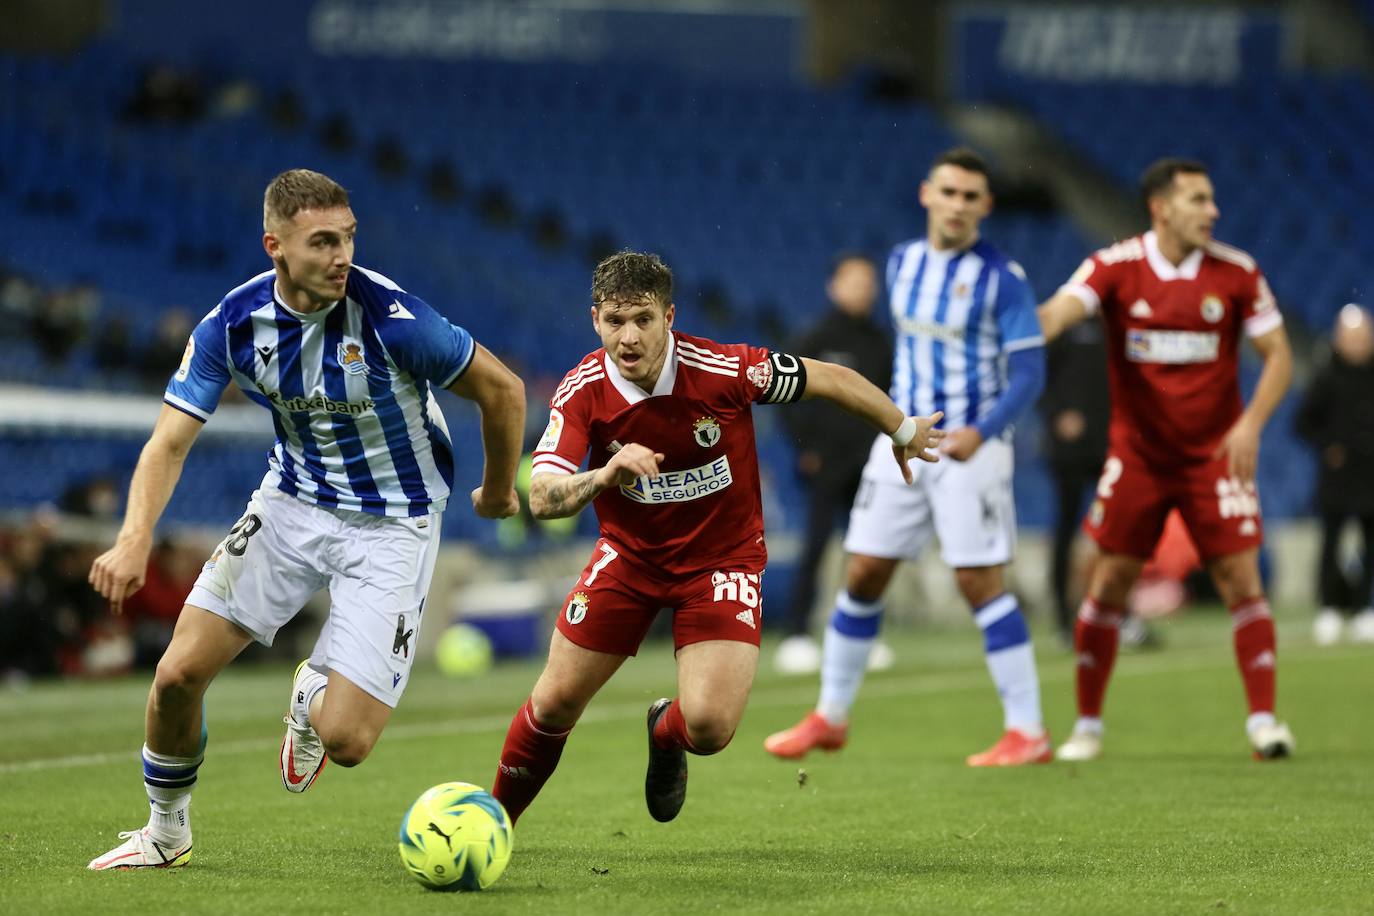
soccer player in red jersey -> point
(1176, 304)
(673, 472)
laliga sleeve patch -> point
(552, 433)
(781, 376)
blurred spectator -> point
(164, 353)
(62, 318)
(167, 93)
(1337, 417)
(115, 351)
(97, 498)
(831, 445)
(46, 605)
(152, 611)
(1075, 408)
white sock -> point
(849, 638)
(1011, 662)
(168, 781)
(1258, 720)
(1087, 725)
(311, 682)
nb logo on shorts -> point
(739, 587)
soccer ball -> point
(456, 837)
(463, 651)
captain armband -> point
(782, 377)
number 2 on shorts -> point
(608, 554)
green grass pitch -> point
(1176, 818)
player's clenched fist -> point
(495, 505)
(119, 572)
(627, 465)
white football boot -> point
(1362, 626)
(1084, 744)
(302, 752)
(1271, 740)
(140, 851)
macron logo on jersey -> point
(399, 311)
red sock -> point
(1094, 641)
(1253, 632)
(528, 759)
(671, 729)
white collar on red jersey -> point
(1186, 270)
(667, 376)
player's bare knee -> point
(178, 683)
(556, 707)
(348, 749)
(866, 578)
(709, 734)
(979, 584)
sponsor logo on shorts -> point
(1236, 499)
(1172, 347)
(1096, 513)
(401, 644)
(681, 486)
(576, 612)
(746, 616)
(706, 431)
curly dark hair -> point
(628, 276)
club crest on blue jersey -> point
(351, 357)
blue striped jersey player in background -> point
(968, 344)
(345, 360)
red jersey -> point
(702, 510)
(1173, 341)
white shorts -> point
(968, 504)
(377, 570)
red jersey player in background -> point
(1175, 304)
(673, 471)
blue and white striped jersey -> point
(348, 386)
(957, 315)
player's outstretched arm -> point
(1241, 445)
(912, 437)
(500, 396)
(558, 496)
(1061, 312)
(119, 572)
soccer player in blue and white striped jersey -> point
(968, 344)
(345, 360)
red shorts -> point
(612, 605)
(1134, 499)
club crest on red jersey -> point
(761, 374)
(706, 431)
(1212, 308)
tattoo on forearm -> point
(566, 496)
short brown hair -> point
(1159, 177)
(628, 276)
(965, 158)
(300, 189)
